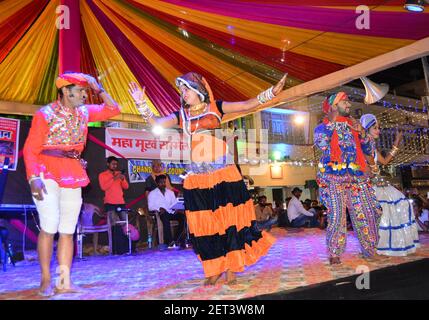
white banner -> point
(138, 144)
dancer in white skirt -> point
(398, 234)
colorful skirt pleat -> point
(221, 219)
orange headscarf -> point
(67, 79)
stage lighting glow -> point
(277, 155)
(414, 6)
(299, 120)
(157, 130)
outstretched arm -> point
(138, 95)
(240, 106)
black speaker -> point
(406, 176)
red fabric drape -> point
(14, 27)
(222, 90)
(297, 65)
(69, 48)
(87, 65)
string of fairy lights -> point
(412, 120)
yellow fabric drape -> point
(244, 82)
(300, 40)
(23, 70)
(114, 72)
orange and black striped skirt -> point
(221, 219)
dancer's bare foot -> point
(371, 257)
(70, 289)
(45, 289)
(334, 260)
(231, 278)
(211, 281)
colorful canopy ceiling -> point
(241, 47)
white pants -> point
(59, 210)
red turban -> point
(333, 99)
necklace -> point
(197, 109)
(188, 123)
(71, 119)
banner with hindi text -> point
(138, 144)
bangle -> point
(394, 151)
(266, 95)
(374, 169)
(144, 110)
(32, 178)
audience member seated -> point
(421, 215)
(161, 200)
(318, 211)
(308, 207)
(265, 217)
(278, 208)
(323, 216)
(157, 170)
(298, 215)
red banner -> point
(9, 141)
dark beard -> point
(344, 113)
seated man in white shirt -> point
(162, 200)
(298, 216)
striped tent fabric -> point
(241, 47)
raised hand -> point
(398, 138)
(93, 84)
(137, 93)
(356, 125)
(279, 86)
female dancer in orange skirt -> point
(219, 210)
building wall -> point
(292, 175)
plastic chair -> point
(86, 226)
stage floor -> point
(297, 259)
